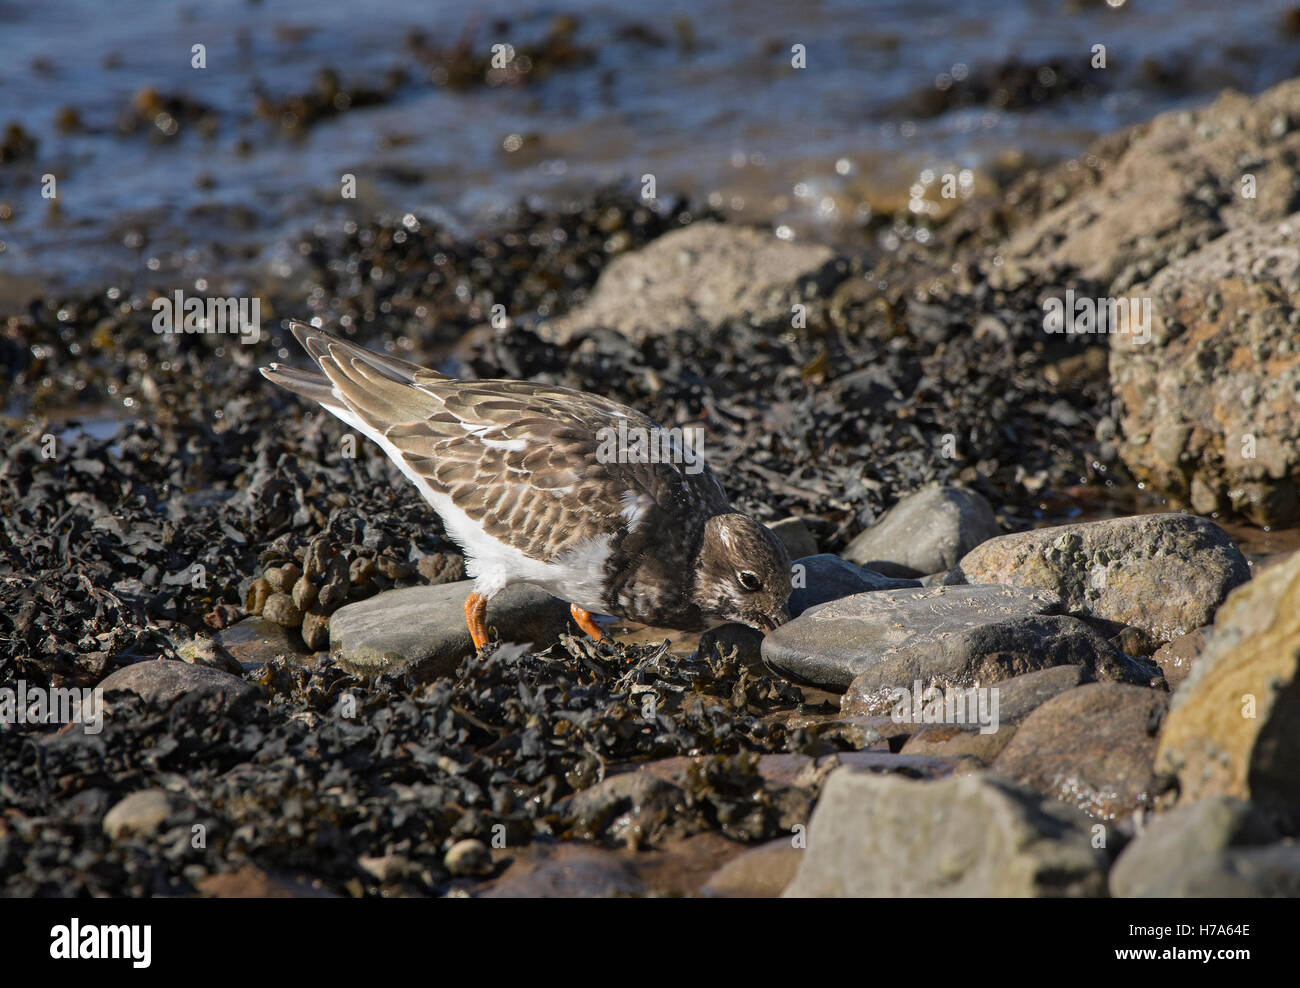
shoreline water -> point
(158, 161)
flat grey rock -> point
(877, 835)
(1018, 696)
(991, 653)
(835, 642)
(163, 681)
(824, 577)
(422, 630)
(925, 532)
(1162, 861)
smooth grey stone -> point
(925, 532)
(832, 643)
(824, 577)
(1158, 862)
(422, 630)
(163, 681)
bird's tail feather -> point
(309, 384)
(317, 343)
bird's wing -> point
(528, 462)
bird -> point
(522, 477)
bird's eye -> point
(749, 581)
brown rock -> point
(950, 741)
(304, 593)
(316, 629)
(1092, 747)
(255, 599)
(1158, 191)
(569, 871)
(760, 873)
(1234, 726)
(281, 609)
(250, 882)
(163, 681)
(1175, 658)
(1209, 415)
(439, 567)
(701, 277)
(256, 641)
(1017, 698)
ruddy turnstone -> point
(516, 472)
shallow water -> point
(701, 96)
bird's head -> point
(743, 573)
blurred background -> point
(165, 168)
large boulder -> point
(1209, 415)
(1167, 859)
(971, 835)
(701, 278)
(1234, 725)
(1159, 191)
(1092, 747)
(1164, 573)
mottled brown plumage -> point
(517, 473)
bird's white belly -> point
(577, 577)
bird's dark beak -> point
(774, 620)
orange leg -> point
(583, 620)
(475, 617)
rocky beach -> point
(1045, 634)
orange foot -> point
(584, 621)
(475, 612)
